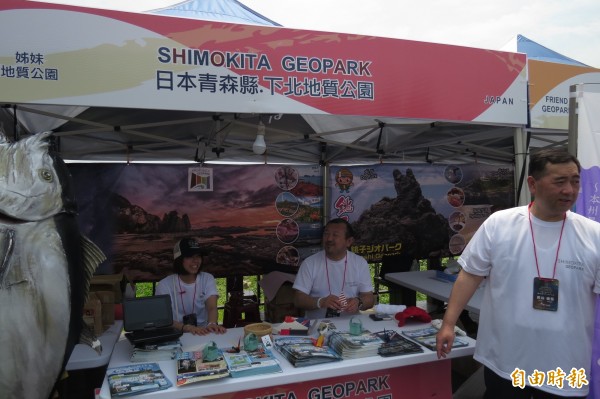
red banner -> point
(426, 380)
(151, 61)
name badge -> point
(545, 294)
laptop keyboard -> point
(141, 334)
(145, 334)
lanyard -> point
(344, 280)
(181, 292)
(533, 239)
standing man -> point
(542, 263)
(334, 281)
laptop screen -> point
(147, 312)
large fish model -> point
(45, 268)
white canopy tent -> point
(421, 109)
(401, 136)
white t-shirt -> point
(182, 295)
(512, 334)
(320, 277)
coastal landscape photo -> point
(138, 213)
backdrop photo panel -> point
(418, 210)
(252, 219)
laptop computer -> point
(149, 320)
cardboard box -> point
(107, 299)
(285, 294)
(282, 305)
(108, 282)
(92, 313)
(275, 313)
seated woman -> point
(193, 292)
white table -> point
(290, 374)
(84, 357)
(427, 283)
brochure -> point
(191, 368)
(244, 363)
(426, 337)
(136, 379)
(395, 344)
(351, 346)
(301, 351)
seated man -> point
(334, 281)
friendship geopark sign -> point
(61, 54)
(549, 92)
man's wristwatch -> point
(360, 303)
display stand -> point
(422, 374)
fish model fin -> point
(90, 339)
(92, 257)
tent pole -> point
(573, 119)
(325, 196)
(521, 161)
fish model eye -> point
(46, 175)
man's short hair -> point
(349, 229)
(539, 159)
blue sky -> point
(568, 27)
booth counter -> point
(409, 376)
